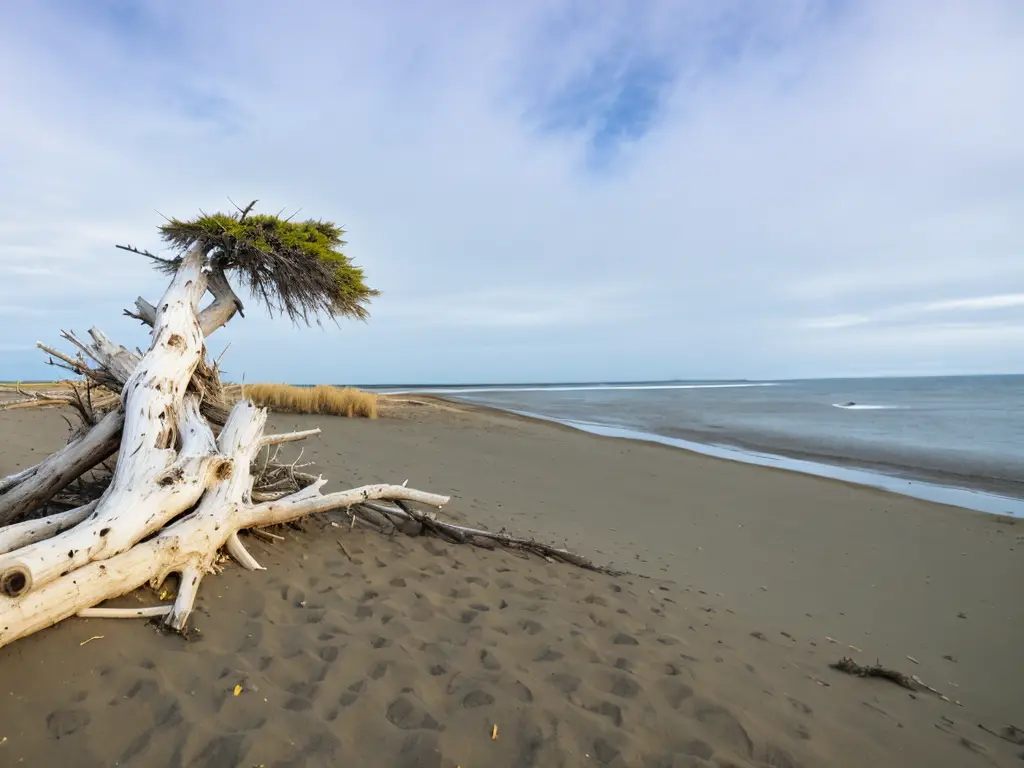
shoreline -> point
(994, 496)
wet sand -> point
(409, 651)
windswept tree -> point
(177, 493)
(186, 479)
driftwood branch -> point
(289, 437)
(461, 534)
(62, 468)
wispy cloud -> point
(924, 311)
(766, 177)
(1000, 301)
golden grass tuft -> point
(323, 398)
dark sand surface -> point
(715, 653)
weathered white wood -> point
(124, 613)
(289, 437)
(116, 358)
(22, 534)
(188, 588)
(62, 468)
(241, 555)
(145, 312)
(309, 501)
(14, 479)
(224, 305)
(217, 313)
(126, 513)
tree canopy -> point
(294, 267)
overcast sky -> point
(543, 191)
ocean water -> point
(931, 437)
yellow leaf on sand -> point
(494, 733)
(238, 689)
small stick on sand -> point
(344, 551)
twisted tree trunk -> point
(177, 494)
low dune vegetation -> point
(323, 398)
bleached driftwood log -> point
(33, 487)
(22, 534)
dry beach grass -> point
(322, 398)
(286, 398)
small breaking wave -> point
(575, 388)
(864, 407)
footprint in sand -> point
(565, 683)
(721, 722)
(604, 752)
(624, 687)
(609, 710)
(696, 748)
(223, 750)
(799, 706)
(675, 691)
(488, 661)
(407, 714)
(550, 654)
(778, 757)
(352, 694)
(305, 690)
(530, 627)
(522, 692)
(64, 722)
(297, 704)
(477, 698)
(142, 689)
(420, 750)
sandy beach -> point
(744, 584)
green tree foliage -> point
(296, 268)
